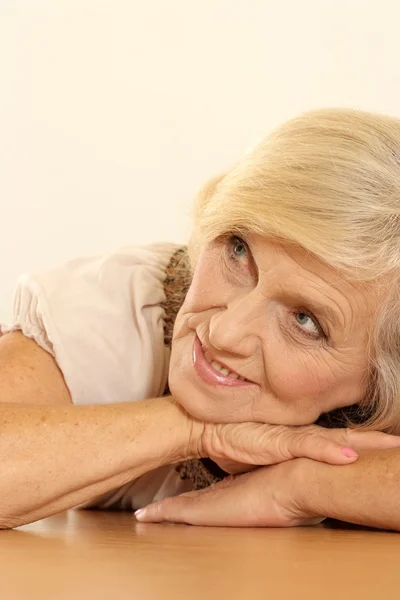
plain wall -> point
(113, 113)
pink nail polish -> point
(349, 452)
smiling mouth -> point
(221, 368)
(213, 372)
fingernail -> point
(139, 514)
(349, 452)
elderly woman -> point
(289, 317)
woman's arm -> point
(366, 492)
(54, 458)
(54, 455)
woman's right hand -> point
(237, 446)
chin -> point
(190, 399)
(200, 406)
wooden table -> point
(85, 555)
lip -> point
(208, 374)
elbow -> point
(9, 520)
(7, 524)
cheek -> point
(296, 374)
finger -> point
(338, 446)
(268, 445)
(229, 503)
(309, 442)
(204, 507)
(371, 440)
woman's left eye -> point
(309, 324)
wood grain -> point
(90, 554)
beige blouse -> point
(102, 319)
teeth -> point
(221, 369)
(217, 366)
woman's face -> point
(273, 314)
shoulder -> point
(101, 318)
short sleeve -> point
(103, 321)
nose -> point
(235, 329)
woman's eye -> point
(237, 260)
(238, 247)
(308, 324)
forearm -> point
(54, 458)
(366, 492)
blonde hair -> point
(328, 181)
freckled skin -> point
(247, 316)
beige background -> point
(113, 112)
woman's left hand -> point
(267, 497)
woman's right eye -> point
(238, 250)
(237, 260)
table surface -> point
(93, 554)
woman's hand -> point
(297, 492)
(237, 447)
(267, 497)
